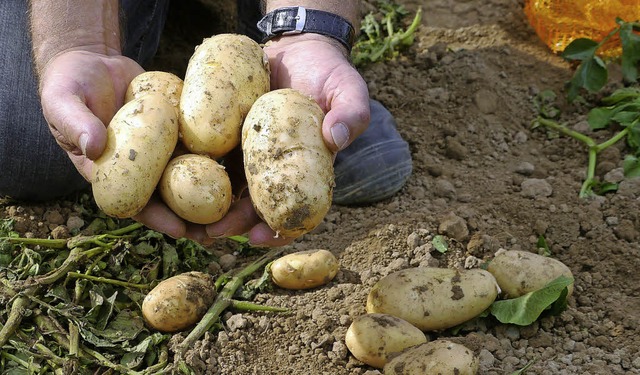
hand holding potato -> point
(318, 66)
(80, 93)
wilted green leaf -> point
(631, 166)
(542, 244)
(526, 309)
(125, 326)
(440, 243)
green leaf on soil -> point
(543, 245)
(631, 166)
(440, 243)
(526, 309)
(630, 52)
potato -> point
(289, 168)
(521, 272)
(225, 75)
(164, 83)
(374, 338)
(440, 357)
(304, 269)
(179, 302)
(433, 298)
(140, 139)
(196, 188)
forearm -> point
(64, 25)
(349, 9)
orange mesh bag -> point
(559, 22)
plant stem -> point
(224, 299)
(104, 280)
(594, 149)
(250, 306)
(18, 307)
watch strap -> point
(296, 20)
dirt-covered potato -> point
(289, 168)
(225, 75)
(433, 298)
(168, 84)
(440, 357)
(304, 269)
(521, 272)
(179, 302)
(196, 188)
(374, 338)
(140, 140)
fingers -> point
(159, 217)
(76, 128)
(348, 114)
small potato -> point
(304, 269)
(521, 272)
(196, 188)
(140, 140)
(433, 298)
(225, 75)
(179, 302)
(289, 168)
(168, 84)
(374, 338)
(440, 357)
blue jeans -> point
(32, 165)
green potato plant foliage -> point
(620, 111)
(73, 305)
(382, 36)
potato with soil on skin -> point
(375, 338)
(225, 75)
(164, 83)
(179, 302)
(520, 272)
(140, 140)
(196, 188)
(433, 298)
(436, 357)
(289, 168)
(304, 269)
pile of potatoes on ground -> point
(404, 305)
(171, 134)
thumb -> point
(75, 127)
(347, 118)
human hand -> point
(80, 93)
(317, 66)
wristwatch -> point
(296, 20)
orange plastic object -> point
(559, 22)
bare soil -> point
(463, 98)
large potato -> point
(433, 298)
(164, 83)
(440, 357)
(225, 75)
(521, 272)
(374, 338)
(196, 188)
(304, 269)
(179, 301)
(289, 168)
(140, 139)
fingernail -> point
(340, 135)
(84, 139)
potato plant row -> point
(172, 136)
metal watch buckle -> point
(301, 21)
